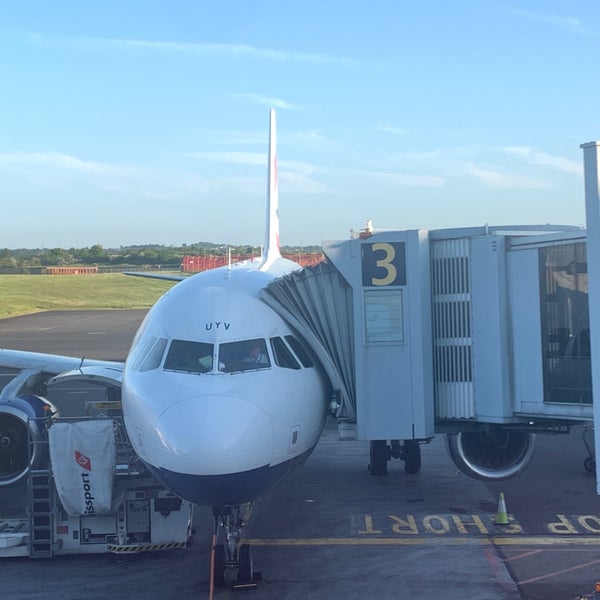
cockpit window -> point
(191, 357)
(154, 357)
(148, 356)
(140, 351)
(283, 357)
(300, 351)
(243, 356)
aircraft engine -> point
(22, 420)
(491, 454)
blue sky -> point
(131, 122)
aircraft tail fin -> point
(271, 246)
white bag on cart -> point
(83, 457)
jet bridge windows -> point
(565, 324)
(191, 357)
(243, 356)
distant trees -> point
(56, 256)
(7, 259)
(150, 254)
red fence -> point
(71, 270)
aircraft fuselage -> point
(220, 396)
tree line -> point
(150, 254)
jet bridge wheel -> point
(379, 454)
(412, 456)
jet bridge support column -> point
(591, 164)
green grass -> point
(23, 294)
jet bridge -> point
(482, 333)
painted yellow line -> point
(520, 540)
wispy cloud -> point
(57, 160)
(261, 100)
(569, 23)
(389, 128)
(256, 159)
(202, 49)
(298, 166)
(301, 183)
(311, 135)
(519, 167)
(236, 158)
(494, 177)
(406, 180)
(535, 157)
(230, 137)
(295, 176)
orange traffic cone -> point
(502, 516)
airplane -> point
(221, 398)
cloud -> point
(505, 167)
(57, 170)
(534, 157)
(389, 128)
(404, 180)
(300, 182)
(229, 137)
(493, 177)
(236, 158)
(256, 159)
(57, 160)
(269, 101)
(572, 24)
(311, 135)
(198, 49)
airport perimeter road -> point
(333, 531)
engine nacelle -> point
(491, 454)
(23, 420)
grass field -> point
(23, 294)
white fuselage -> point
(219, 399)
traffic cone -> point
(501, 517)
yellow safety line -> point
(517, 540)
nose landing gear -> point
(231, 555)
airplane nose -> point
(210, 434)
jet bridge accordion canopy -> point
(317, 302)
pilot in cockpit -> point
(256, 356)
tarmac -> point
(331, 530)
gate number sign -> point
(383, 264)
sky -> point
(129, 122)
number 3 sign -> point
(383, 264)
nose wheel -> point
(218, 565)
(231, 555)
(245, 571)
